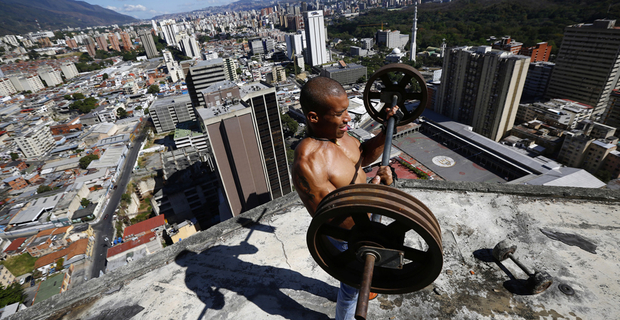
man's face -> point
(332, 124)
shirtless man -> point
(329, 158)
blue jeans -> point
(347, 295)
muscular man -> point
(329, 159)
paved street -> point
(105, 226)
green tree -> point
(67, 97)
(11, 294)
(78, 95)
(85, 202)
(121, 113)
(43, 188)
(153, 89)
(289, 123)
(59, 264)
(14, 156)
(105, 76)
(33, 55)
(86, 160)
(125, 197)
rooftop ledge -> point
(251, 268)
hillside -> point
(18, 16)
(470, 22)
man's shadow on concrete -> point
(220, 267)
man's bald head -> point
(315, 92)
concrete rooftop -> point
(257, 265)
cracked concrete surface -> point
(263, 270)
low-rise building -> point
(6, 277)
(345, 73)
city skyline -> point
(142, 9)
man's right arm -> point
(311, 183)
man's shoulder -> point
(306, 147)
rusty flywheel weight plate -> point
(408, 227)
(401, 80)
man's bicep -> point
(312, 187)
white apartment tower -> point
(294, 45)
(6, 87)
(586, 69)
(50, 75)
(69, 70)
(414, 34)
(169, 31)
(35, 141)
(316, 37)
(481, 87)
(189, 45)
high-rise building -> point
(169, 31)
(6, 87)
(190, 47)
(482, 88)
(35, 141)
(232, 134)
(69, 70)
(168, 112)
(102, 42)
(230, 69)
(50, 75)
(90, 47)
(612, 114)
(71, 43)
(256, 46)
(126, 40)
(262, 98)
(392, 39)
(294, 45)
(316, 37)
(538, 79)
(201, 76)
(540, 52)
(147, 42)
(114, 42)
(586, 69)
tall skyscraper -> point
(102, 42)
(189, 45)
(90, 47)
(230, 69)
(262, 98)
(126, 41)
(114, 42)
(293, 45)
(482, 88)
(586, 69)
(316, 51)
(169, 31)
(147, 42)
(201, 76)
(232, 134)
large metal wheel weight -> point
(406, 244)
(399, 80)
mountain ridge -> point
(18, 17)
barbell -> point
(395, 245)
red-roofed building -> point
(131, 250)
(14, 247)
(154, 224)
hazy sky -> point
(143, 9)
